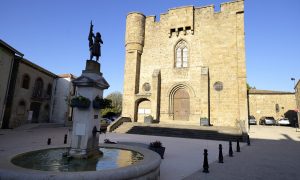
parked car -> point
(267, 120)
(252, 120)
(283, 121)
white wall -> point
(60, 108)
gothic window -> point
(38, 88)
(25, 81)
(181, 53)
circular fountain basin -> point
(53, 160)
(133, 163)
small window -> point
(277, 108)
(25, 81)
(180, 29)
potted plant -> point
(157, 147)
(100, 103)
(80, 102)
(97, 102)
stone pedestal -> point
(90, 84)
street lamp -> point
(293, 79)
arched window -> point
(38, 88)
(181, 52)
(25, 81)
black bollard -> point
(65, 139)
(248, 140)
(220, 154)
(205, 162)
(238, 146)
(49, 141)
(230, 149)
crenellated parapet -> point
(233, 7)
(182, 19)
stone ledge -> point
(149, 168)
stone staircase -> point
(184, 131)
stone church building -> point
(188, 65)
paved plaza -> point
(273, 154)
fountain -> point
(85, 158)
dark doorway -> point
(35, 107)
(181, 105)
(292, 116)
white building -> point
(61, 111)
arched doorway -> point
(35, 108)
(144, 109)
(181, 105)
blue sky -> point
(53, 34)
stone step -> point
(171, 130)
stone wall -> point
(6, 62)
(297, 91)
(264, 104)
(216, 53)
(19, 115)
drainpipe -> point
(53, 98)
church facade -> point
(189, 65)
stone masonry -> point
(297, 93)
(187, 66)
(270, 103)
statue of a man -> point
(95, 44)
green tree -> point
(116, 101)
(116, 105)
(248, 86)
